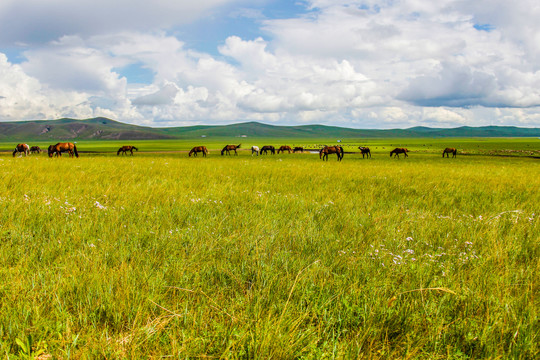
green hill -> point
(107, 129)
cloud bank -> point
(372, 64)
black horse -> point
(265, 149)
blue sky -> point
(362, 64)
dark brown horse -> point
(365, 151)
(265, 149)
(22, 148)
(338, 150)
(284, 148)
(398, 151)
(228, 148)
(35, 149)
(298, 148)
(198, 149)
(59, 148)
(449, 151)
(125, 149)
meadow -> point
(282, 257)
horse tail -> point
(75, 150)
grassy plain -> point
(271, 257)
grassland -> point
(271, 257)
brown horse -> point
(398, 151)
(228, 148)
(298, 148)
(125, 149)
(365, 151)
(338, 150)
(35, 149)
(22, 148)
(198, 149)
(59, 148)
(448, 151)
(284, 148)
(268, 148)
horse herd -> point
(59, 148)
(56, 149)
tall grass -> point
(276, 257)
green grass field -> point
(282, 257)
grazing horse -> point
(35, 149)
(125, 149)
(448, 151)
(254, 150)
(338, 150)
(284, 148)
(365, 151)
(198, 149)
(265, 149)
(227, 149)
(22, 148)
(298, 148)
(398, 151)
(63, 147)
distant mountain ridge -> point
(106, 129)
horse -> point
(284, 148)
(198, 149)
(254, 150)
(22, 148)
(267, 148)
(338, 150)
(35, 149)
(125, 149)
(449, 151)
(398, 151)
(365, 151)
(227, 149)
(298, 148)
(63, 147)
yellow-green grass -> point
(269, 257)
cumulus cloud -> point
(367, 63)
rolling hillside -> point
(107, 129)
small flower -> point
(99, 206)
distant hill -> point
(107, 129)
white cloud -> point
(35, 21)
(367, 63)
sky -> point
(362, 64)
